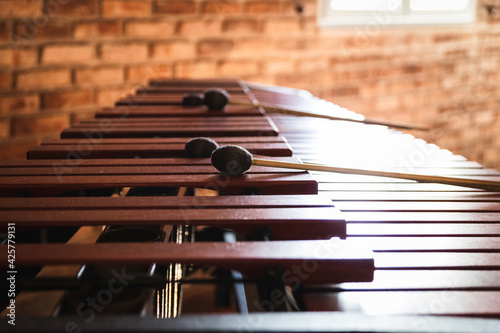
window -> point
(395, 12)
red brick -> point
(108, 97)
(39, 124)
(43, 79)
(173, 50)
(20, 8)
(6, 80)
(130, 52)
(176, 7)
(4, 31)
(19, 103)
(27, 30)
(241, 26)
(15, 149)
(295, 80)
(445, 67)
(238, 68)
(263, 7)
(282, 26)
(82, 115)
(149, 29)
(200, 28)
(412, 68)
(222, 7)
(143, 74)
(65, 54)
(484, 117)
(90, 30)
(251, 46)
(67, 99)
(77, 8)
(4, 128)
(99, 75)
(313, 64)
(278, 66)
(214, 47)
(196, 69)
(292, 44)
(387, 102)
(344, 91)
(133, 8)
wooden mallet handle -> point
(466, 182)
(216, 99)
(276, 109)
(235, 160)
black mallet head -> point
(200, 147)
(232, 160)
(193, 99)
(216, 99)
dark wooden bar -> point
(60, 182)
(183, 90)
(109, 130)
(139, 111)
(345, 263)
(148, 147)
(299, 221)
(159, 98)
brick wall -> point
(61, 60)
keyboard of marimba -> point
(435, 247)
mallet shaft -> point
(472, 183)
(276, 109)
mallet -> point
(200, 147)
(193, 99)
(235, 160)
(216, 99)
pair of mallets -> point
(235, 160)
(216, 99)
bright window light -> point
(433, 5)
(363, 5)
(395, 12)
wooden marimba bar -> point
(117, 230)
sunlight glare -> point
(365, 4)
(442, 5)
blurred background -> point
(62, 60)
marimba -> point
(112, 228)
